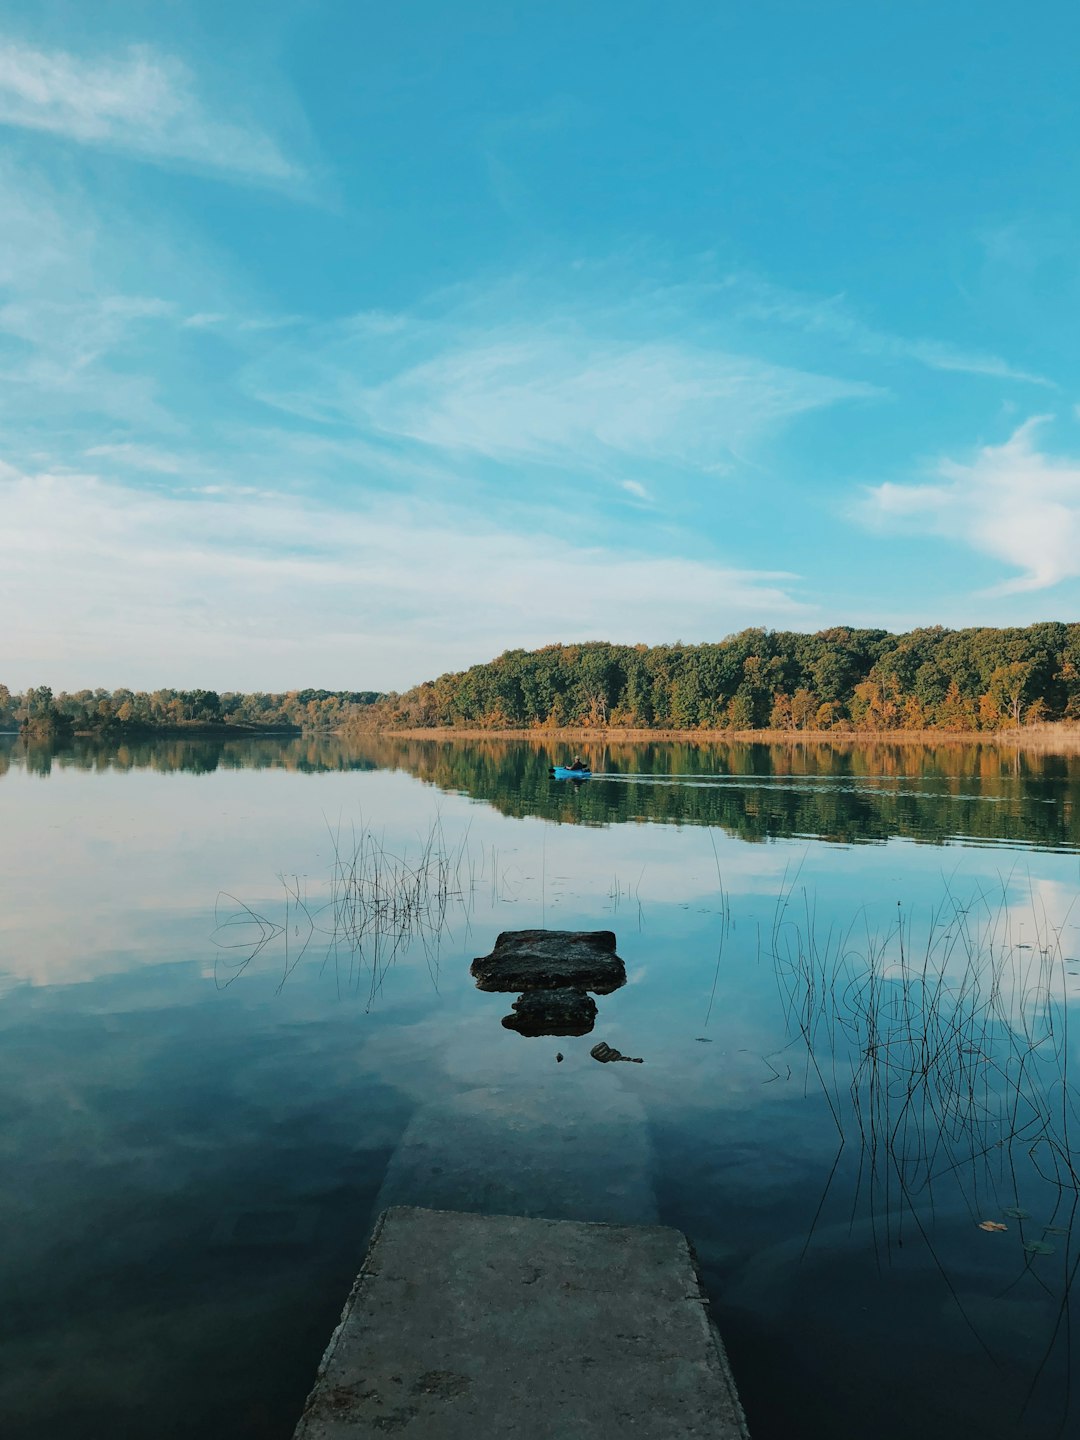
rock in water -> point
(551, 960)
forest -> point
(131, 712)
(838, 679)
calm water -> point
(852, 978)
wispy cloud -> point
(84, 328)
(56, 363)
(144, 458)
(1012, 502)
(833, 318)
(107, 584)
(95, 344)
(216, 320)
(587, 388)
(636, 489)
(142, 101)
(529, 394)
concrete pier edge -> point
(438, 1340)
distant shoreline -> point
(1051, 738)
(193, 731)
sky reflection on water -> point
(193, 1142)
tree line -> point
(838, 679)
(38, 711)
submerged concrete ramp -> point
(573, 1147)
(496, 1327)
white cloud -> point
(635, 488)
(1011, 502)
(142, 102)
(102, 584)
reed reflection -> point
(941, 1048)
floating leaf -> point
(1038, 1247)
(1054, 1230)
(1017, 1213)
(992, 1225)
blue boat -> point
(564, 772)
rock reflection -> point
(552, 1012)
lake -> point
(238, 1016)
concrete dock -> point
(479, 1327)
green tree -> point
(1008, 688)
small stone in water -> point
(605, 1053)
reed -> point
(374, 904)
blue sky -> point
(344, 344)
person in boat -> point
(578, 764)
